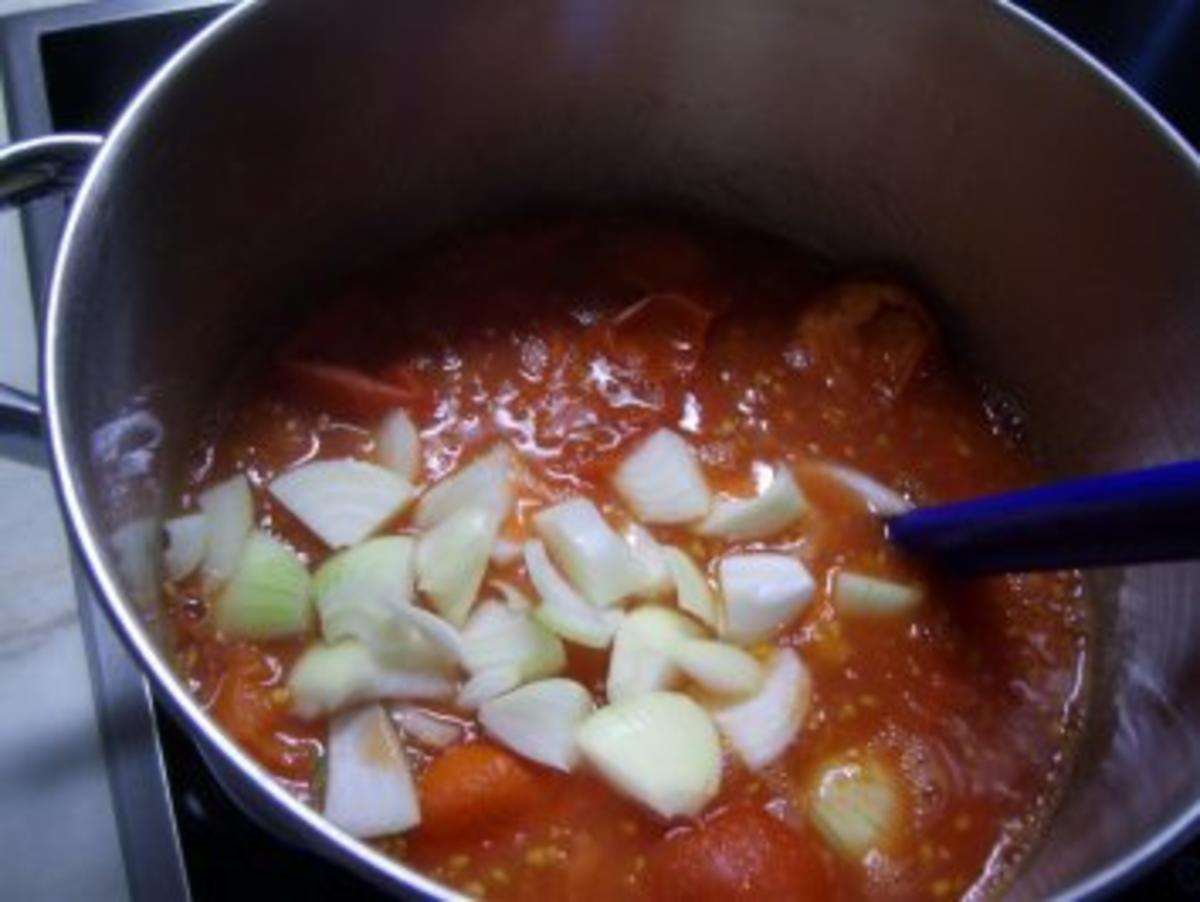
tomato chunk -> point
(740, 853)
(864, 335)
(249, 707)
(471, 789)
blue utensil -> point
(1126, 518)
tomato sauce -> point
(572, 339)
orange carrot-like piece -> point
(472, 788)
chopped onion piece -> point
(452, 559)
(591, 554)
(694, 594)
(136, 546)
(856, 593)
(540, 720)
(187, 540)
(486, 482)
(366, 593)
(563, 610)
(649, 553)
(505, 552)
(327, 678)
(642, 658)
(369, 791)
(269, 595)
(342, 501)
(740, 519)
(878, 498)
(662, 481)
(660, 749)
(359, 590)
(398, 445)
(764, 725)
(229, 516)
(717, 667)
(855, 805)
(427, 729)
(763, 593)
(434, 628)
(513, 597)
(497, 636)
(488, 684)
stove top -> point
(72, 69)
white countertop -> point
(58, 835)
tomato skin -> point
(662, 335)
(343, 391)
(475, 788)
(872, 339)
(406, 379)
(247, 705)
(739, 853)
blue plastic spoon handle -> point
(1127, 518)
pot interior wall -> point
(1057, 228)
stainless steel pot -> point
(1056, 215)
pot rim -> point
(86, 537)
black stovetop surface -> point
(74, 70)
